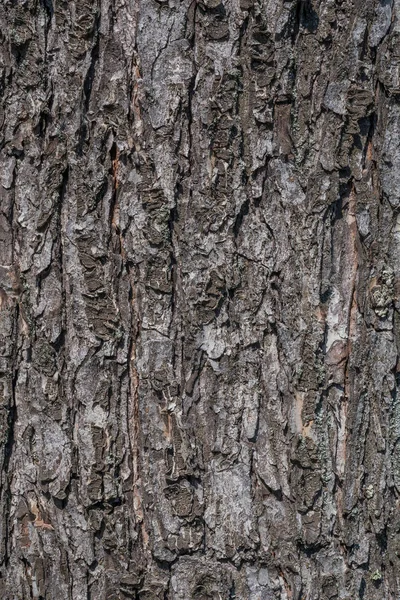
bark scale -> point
(200, 250)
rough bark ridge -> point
(200, 250)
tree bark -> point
(200, 250)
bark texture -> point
(200, 279)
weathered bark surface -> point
(199, 271)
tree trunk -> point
(200, 296)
